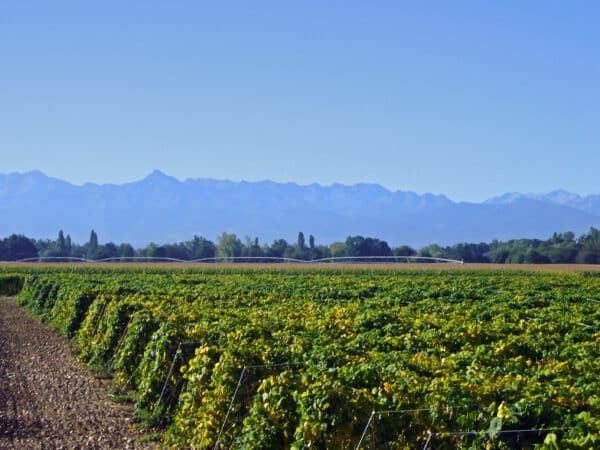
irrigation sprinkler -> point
(41, 259)
(139, 259)
(274, 259)
(248, 259)
(406, 259)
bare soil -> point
(47, 399)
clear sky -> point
(470, 99)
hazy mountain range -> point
(163, 209)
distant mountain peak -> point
(561, 197)
(156, 173)
(35, 172)
(159, 176)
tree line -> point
(560, 248)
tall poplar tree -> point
(68, 245)
(92, 245)
(301, 244)
(61, 243)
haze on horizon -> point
(464, 99)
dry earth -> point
(47, 399)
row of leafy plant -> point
(307, 355)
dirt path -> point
(47, 400)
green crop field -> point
(264, 358)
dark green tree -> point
(404, 250)
(200, 248)
(61, 244)
(300, 252)
(92, 247)
(152, 250)
(229, 245)
(68, 245)
(432, 251)
(126, 251)
(251, 248)
(337, 249)
(108, 250)
(468, 252)
(17, 247)
(255, 249)
(589, 250)
(361, 246)
(301, 244)
(278, 248)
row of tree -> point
(561, 248)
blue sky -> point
(470, 99)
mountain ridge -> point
(161, 208)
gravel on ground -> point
(47, 399)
